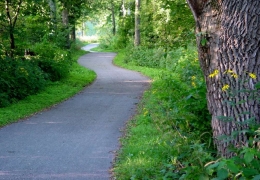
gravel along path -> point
(76, 139)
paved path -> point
(75, 139)
(90, 46)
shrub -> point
(18, 79)
(54, 61)
(181, 84)
(23, 76)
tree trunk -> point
(228, 40)
(123, 8)
(12, 22)
(65, 20)
(73, 33)
(113, 17)
(53, 12)
(83, 29)
(137, 23)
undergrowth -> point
(170, 138)
(52, 93)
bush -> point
(142, 56)
(25, 75)
(54, 61)
(19, 78)
(181, 84)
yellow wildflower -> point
(193, 84)
(229, 71)
(232, 73)
(193, 78)
(24, 71)
(225, 87)
(146, 112)
(252, 75)
(215, 73)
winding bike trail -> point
(74, 140)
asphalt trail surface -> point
(77, 138)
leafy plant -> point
(19, 79)
(54, 61)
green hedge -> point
(25, 75)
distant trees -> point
(158, 23)
(41, 27)
(24, 22)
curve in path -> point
(77, 138)
(90, 46)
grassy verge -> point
(159, 142)
(54, 93)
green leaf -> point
(257, 85)
(203, 42)
(250, 172)
(222, 173)
(232, 167)
(203, 177)
(213, 165)
(256, 177)
(249, 156)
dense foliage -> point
(34, 45)
(171, 137)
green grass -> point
(154, 147)
(150, 72)
(143, 152)
(54, 93)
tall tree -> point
(53, 14)
(12, 10)
(137, 22)
(228, 41)
(113, 17)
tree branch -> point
(17, 12)
(8, 12)
(191, 4)
(196, 7)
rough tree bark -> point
(137, 23)
(228, 40)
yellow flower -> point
(215, 73)
(232, 73)
(193, 78)
(252, 75)
(146, 112)
(225, 87)
(229, 71)
(22, 70)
